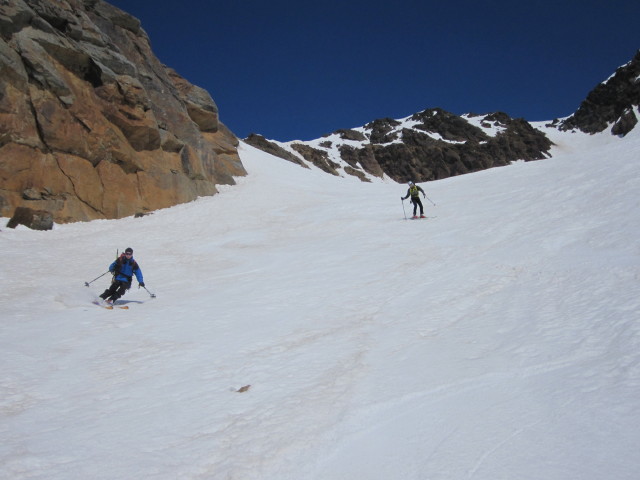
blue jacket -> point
(125, 268)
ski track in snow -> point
(498, 340)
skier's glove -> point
(141, 284)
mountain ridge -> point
(434, 143)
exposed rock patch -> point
(34, 219)
(613, 103)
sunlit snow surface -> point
(499, 340)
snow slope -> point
(500, 340)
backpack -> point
(119, 263)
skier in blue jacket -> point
(123, 269)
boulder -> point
(34, 219)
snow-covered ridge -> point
(433, 125)
(435, 144)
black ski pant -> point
(417, 203)
(117, 289)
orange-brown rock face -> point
(92, 125)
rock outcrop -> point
(428, 145)
(612, 104)
(92, 125)
(34, 219)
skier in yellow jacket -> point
(414, 192)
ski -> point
(110, 307)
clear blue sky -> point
(296, 70)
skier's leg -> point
(109, 291)
(120, 290)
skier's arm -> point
(112, 267)
(138, 273)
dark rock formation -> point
(318, 157)
(34, 219)
(611, 103)
(263, 144)
(429, 145)
(352, 135)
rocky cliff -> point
(92, 125)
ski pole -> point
(152, 295)
(430, 200)
(86, 284)
(403, 211)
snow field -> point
(498, 340)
